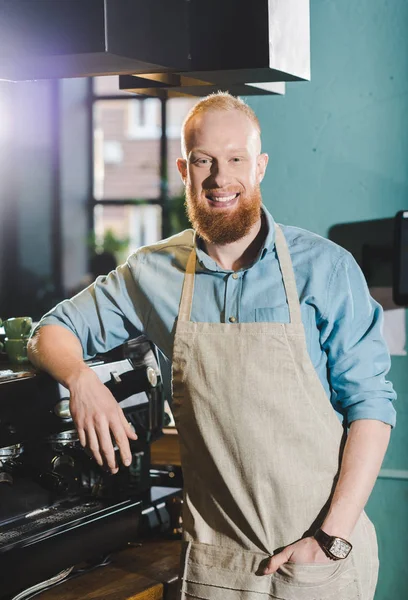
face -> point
(222, 172)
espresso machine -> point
(58, 507)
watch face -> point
(340, 548)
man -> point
(269, 329)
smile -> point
(222, 198)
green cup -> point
(17, 327)
(16, 350)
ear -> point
(261, 166)
(182, 168)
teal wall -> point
(338, 150)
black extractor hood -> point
(171, 47)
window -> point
(136, 141)
(126, 167)
(144, 119)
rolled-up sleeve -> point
(105, 314)
(358, 357)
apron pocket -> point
(332, 581)
(218, 573)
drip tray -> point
(51, 539)
(43, 520)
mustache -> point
(221, 190)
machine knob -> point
(6, 478)
(62, 411)
(115, 378)
(151, 376)
(54, 482)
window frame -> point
(162, 198)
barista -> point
(270, 330)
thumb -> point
(277, 560)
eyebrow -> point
(198, 151)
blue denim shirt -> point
(342, 322)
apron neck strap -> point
(288, 276)
(187, 293)
(286, 268)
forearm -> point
(363, 455)
(59, 352)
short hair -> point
(218, 101)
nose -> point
(220, 175)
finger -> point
(277, 561)
(122, 442)
(82, 437)
(93, 445)
(106, 446)
(130, 432)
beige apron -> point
(260, 448)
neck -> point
(241, 253)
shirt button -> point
(235, 276)
(232, 319)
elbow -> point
(32, 348)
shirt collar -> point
(268, 246)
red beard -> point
(218, 226)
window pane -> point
(127, 149)
(124, 228)
(108, 86)
(177, 109)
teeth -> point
(222, 199)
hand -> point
(97, 415)
(306, 550)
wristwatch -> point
(336, 548)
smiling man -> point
(278, 378)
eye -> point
(236, 159)
(203, 162)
